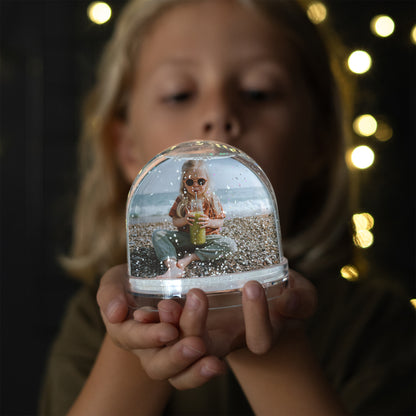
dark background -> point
(48, 54)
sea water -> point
(241, 202)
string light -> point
(363, 238)
(359, 62)
(413, 35)
(382, 26)
(363, 221)
(365, 125)
(99, 12)
(362, 157)
(350, 272)
(317, 12)
(384, 132)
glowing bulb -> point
(359, 62)
(363, 221)
(316, 12)
(350, 272)
(413, 35)
(384, 132)
(413, 302)
(365, 125)
(362, 157)
(99, 12)
(363, 238)
(382, 26)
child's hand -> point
(204, 221)
(155, 338)
(112, 298)
(189, 218)
(223, 331)
(185, 345)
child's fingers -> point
(204, 222)
(111, 295)
(145, 315)
(194, 315)
(133, 335)
(169, 361)
(299, 300)
(169, 311)
(203, 219)
(199, 373)
(259, 331)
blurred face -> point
(217, 71)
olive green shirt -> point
(363, 335)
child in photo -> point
(198, 235)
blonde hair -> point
(99, 234)
(209, 195)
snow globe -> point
(202, 214)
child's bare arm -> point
(289, 367)
(118, 385)
(181, 221)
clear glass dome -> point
(202, 214)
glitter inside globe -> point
(202, 214)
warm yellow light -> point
(363, 238)
(413, 35)
(363, 221)
(362, 157)
(384, 132)
(317, 12)
(413, 302)
(382, 26)
(359, 62)
(365, 125)
(99, 12)
(350, 272)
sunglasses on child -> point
(200, 181)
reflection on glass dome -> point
(202, 214)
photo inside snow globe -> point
(202, 214)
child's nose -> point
(219, 119)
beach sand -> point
(255, 237)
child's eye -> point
(255, 95)
(178, 97)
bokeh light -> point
(365, 125)
(317, 12)
(350, 272)
(99, 12)
(382, 26)
(413, 35)
(363, 221)
(362, 157)
(413, 302)
(359, 62)
(384, 131)
(363, 238)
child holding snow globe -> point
(254, 74)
